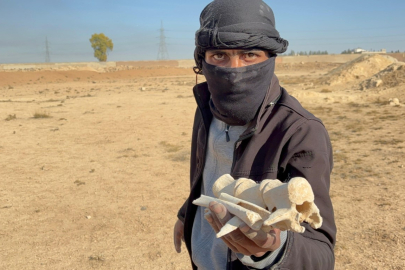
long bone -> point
(248, 190)
(244, 189)
(235, 222)
(264, 214)
(246, 204)
(252, 219)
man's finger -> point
(221, 213)
(178, 235)
(236, 236)
(209, 216)
(177, 242)
(261, 238)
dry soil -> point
(94, 166)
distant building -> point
(359, 50)
(362, 51)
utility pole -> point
(47, 57)
(162, 54)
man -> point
(248, 126)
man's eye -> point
(250, 55)
(218, 56)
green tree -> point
(348, 51)
(101, 43)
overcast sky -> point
(133, 26)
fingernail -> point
(219, 211)
(244, 228)
(216, 208)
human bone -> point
(230, 226)
(264, 214)
(252, 219)
(248, 190)
(224, 184)
(245, 204)
(288, 204)
(293, 203)
(235, 206)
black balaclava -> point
(237, 93)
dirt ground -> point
(94, 166)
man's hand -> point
(243, 240)
(178, 235)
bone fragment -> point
(248, 205)
(293, 203)
(285, 219)
(230, 226)
(245, 204)
(275, 194)
(300, 191)
(248, 190)
(224, 184)
(252, 219)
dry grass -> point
(340, 157)
(40, 114)
(293, 80)
(358, 105)
(182, 156)
(170, 148)
(355, 127)
(11, 117)
(389, 142)
(389, 117)
(380, 101)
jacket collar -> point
(202, 97)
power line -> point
(162, 54)
(343, 30)
(47, 55)
(353, 42)
(339, 38)
(300, 31)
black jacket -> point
(282, 142)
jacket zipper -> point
(271, 104)
(239, 140)
(228, 139)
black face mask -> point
(237, 93)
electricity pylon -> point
(162, 54)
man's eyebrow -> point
(216, 51)
(252, 50)
(239, 51)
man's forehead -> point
(234, 51)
